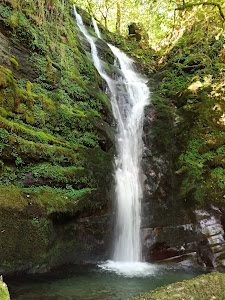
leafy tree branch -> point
(191, 5)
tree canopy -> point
(158, 17)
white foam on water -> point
(129, 269)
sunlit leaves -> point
(158, 17)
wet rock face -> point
(8, 49)
(105, 52)
(197, 245)
(158, 182)
(93, 243)
(212, 251)
(173, 232)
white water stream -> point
(129, 94)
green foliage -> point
(52, 128)
(14, 62)
(219, 174)
(48, 120)
(161, 124)
(58, 175)
(4, 293)
(5, 11)
(208, 286)
(175, 80)
(4, 138)
(190, 74)
(34, 211)
(155, 16)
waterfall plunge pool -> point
(93, 282)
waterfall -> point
(99, 66)
(96, 28)
(129, 94)
(127, 174)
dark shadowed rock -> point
(7, 50)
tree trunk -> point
(118, 17)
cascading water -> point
(128, 109)
(127, 174)
(96, 28)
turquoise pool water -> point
(91, 283)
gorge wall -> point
(184, 156)
(56, 142)
(57, 145)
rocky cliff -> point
(56, 142)
(57, 145)
(184, 155)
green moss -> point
(209, 286)
(33, 135)
(5, 113)
(198, 177)
(13, 3)
(47, 124)
(5, 10)
(4, 139)
(188, 75)
(6, 78)
(10, 95)
(57, 175)
(46, 199)
(4, 293)
(27, 225)
(29, 151)
(13, 21)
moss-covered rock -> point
(191, 76)
(41, 228)
(203, 287)
(184, 154)
(4, 293)
(56, 144)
